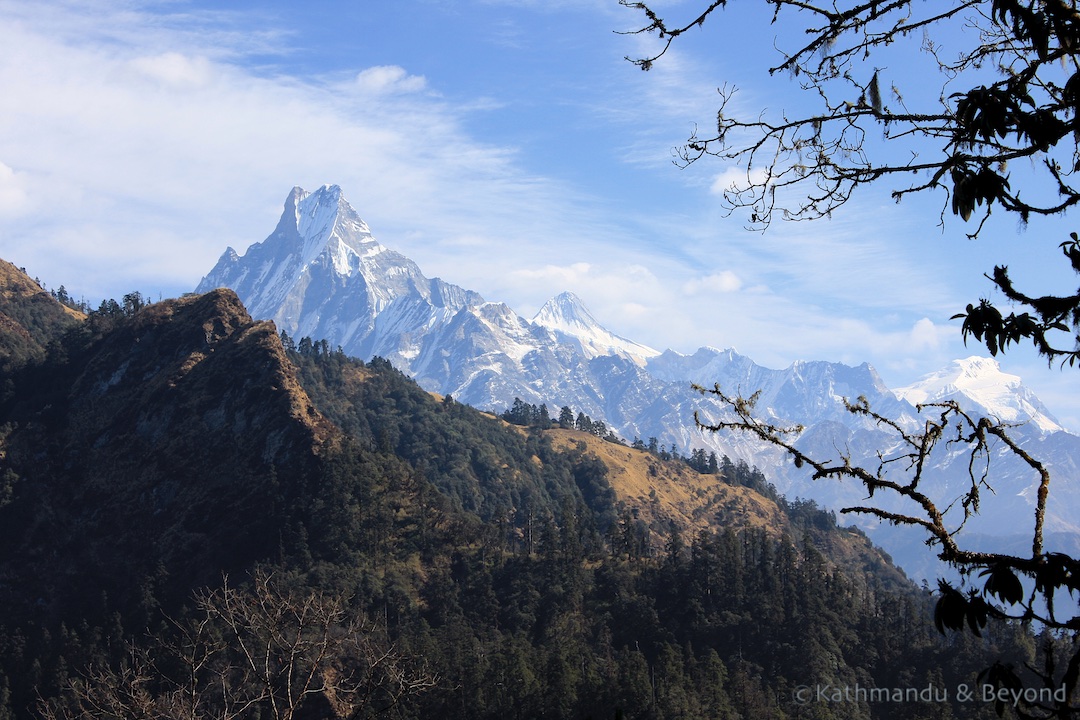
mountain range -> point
(180, 483)
(322, 274)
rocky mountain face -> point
(979, 383)
(572, 323)
(322, 274)
(812, 394)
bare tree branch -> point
(259, 651)
(947, 425)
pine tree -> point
(583, 423)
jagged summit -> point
(315, 228)
(980, 381)
(324, 220)
(567, 317)
(322, 274)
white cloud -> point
(724, 281)
(12, 193)
(175, 70)
(734, 177)
(556, 275)
(925, 335)
(389, 78)
(608, 286)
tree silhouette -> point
(1006, 96)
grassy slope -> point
(663, 492)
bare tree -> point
(993, 583)
(1007, 96)
(261, 651)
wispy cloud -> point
(12, 194)
(170, 152)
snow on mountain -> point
(571, 321)
(979, 382)
(321, 273)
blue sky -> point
(504, 145)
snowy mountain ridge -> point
(980, 383)
(570, 320)
(322, 274)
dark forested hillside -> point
(406, 554)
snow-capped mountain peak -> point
(980, 381)
(567, 312)
(321, 273)
(325, 221)
(567, 317)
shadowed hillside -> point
(149, 454)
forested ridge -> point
(491, 570)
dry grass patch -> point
(661, 492)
